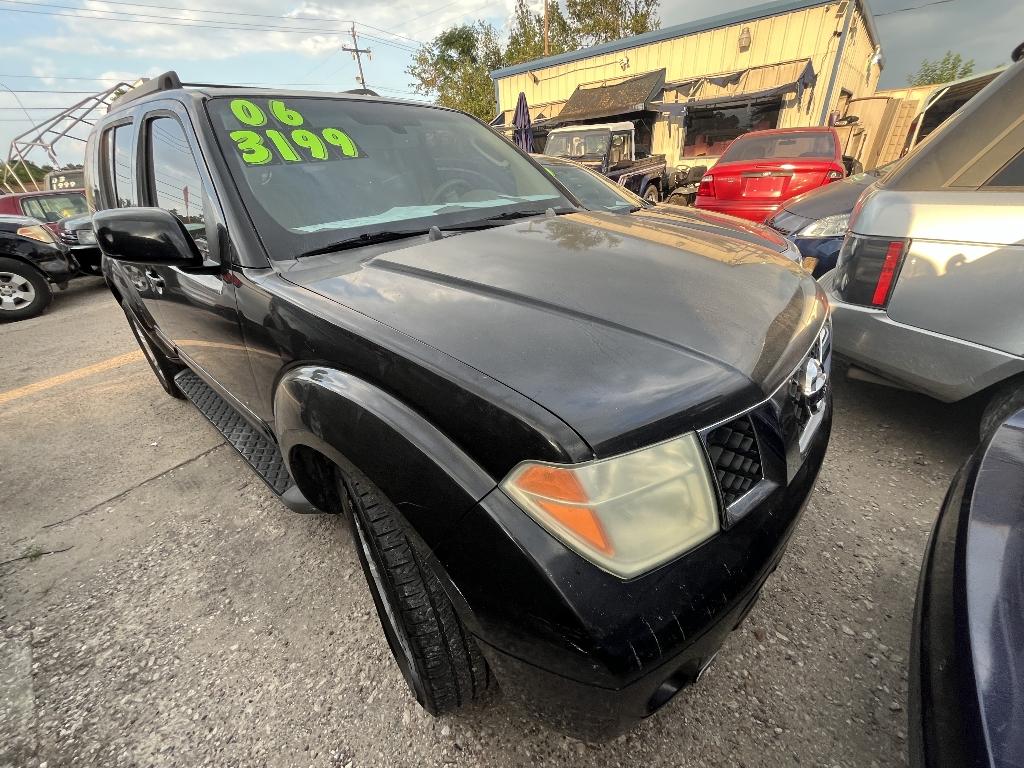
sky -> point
(67, 49)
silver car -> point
(928, 293)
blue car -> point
(816, 221)
(966, 674)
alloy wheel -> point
(16, 292)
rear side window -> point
(175, 183)
(1011, 174)
(52, 208)
(819, 146)
(117, 153)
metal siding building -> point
(724, 60)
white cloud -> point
(322, 27)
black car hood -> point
(831, 199)
(75, 223)
(629, 332)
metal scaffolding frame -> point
(46, 134)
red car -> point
(49, 206)
(763, 169)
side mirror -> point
(145, 236)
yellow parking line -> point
(75, 375)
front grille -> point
(69, 236)
(736, 457)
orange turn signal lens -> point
(558, 492)
(552, 482)
(582, 521)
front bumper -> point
(89, 258)
(944, 721)
(590, 653)
(944, 367)
(58, 264)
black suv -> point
(572, 446)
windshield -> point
(51, 208)
(578, 144)
(798, 144)
(592, 189)
(314, 171)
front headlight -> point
(37, 232)
(86, 237)
(829, 226)
(627, 514)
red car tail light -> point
(868, 268)
(707, 186)
(893, 256)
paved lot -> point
(167, 610)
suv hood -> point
(630, 332)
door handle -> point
(155, 280)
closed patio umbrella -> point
(521, 133)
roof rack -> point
(168, 81)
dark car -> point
(76, 233)
(48, 206)
(562, 471)
(595, 192)
(618, 152)
(817, 220)
(967, 654)
(30, 260)
(761, 170)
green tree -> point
(454, 68)
(28, 173)
(526, 34)
(950, 67)
(599, 21)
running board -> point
(259, 452)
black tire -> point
(1005, 401)
(163, 367)
(438, 657)
(24, 291)
(651, 194)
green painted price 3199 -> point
(315, 143)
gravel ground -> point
(166, 610)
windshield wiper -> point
(369, 238)
(499, 218)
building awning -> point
(589, 102)
(743, 86)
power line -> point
(209, 23)
(68, 77)
(281, 17)
(121, 16)
(30, 90)
(912, 8)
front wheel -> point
(24, 292)
(438, 657)
(1004, 402)
(651, 194)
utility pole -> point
(357, 52)
(547, 49)
(840, 49)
